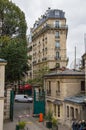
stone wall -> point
(7, 105)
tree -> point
(15, 52)
(13, 44)
(12, 20)
(38, 79)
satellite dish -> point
(76, 65)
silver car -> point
(23, 98)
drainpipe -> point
(85, 77)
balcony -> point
(44, 59)
(57, 48)
(49, 27)
(57, 58)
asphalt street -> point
(23, 112)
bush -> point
(54, 121)
(22, 124)
(49, 116)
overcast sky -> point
(75, 13)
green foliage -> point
(54, 121)
(38, 78)
(15, 52)
(13, 45)
(13, 20)
(22, 124)
(49, 116)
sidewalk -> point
(32, 124)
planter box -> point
(49, 124)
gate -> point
(39, 102)
(11, 104)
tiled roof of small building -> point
(76, 99)
(67, 72)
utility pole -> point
(85, 41)
(75, 59)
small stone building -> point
(65, 95)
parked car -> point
(23, 98)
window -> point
(49, 89)
(57, 44)
(72, 112)
(56, 13)
(82, 85)
(57, 55)
(25, 97)
(57, 34)
(58, 89)
(50, 86)
(58, 86)
(76, 112)
(58, 110)
(56, 24)
(55, 109)
(83, 62)
(67, 111)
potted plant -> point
(48, 118)
(54, 124)
(22, 125)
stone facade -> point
(7, 104)
(47, 44)
(2, 81)
(59, 86)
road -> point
(22, 109)
(25, 111)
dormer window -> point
(57, 13)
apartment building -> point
(65, 95)
(47, 41)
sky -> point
(75, 13)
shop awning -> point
(25, 87)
